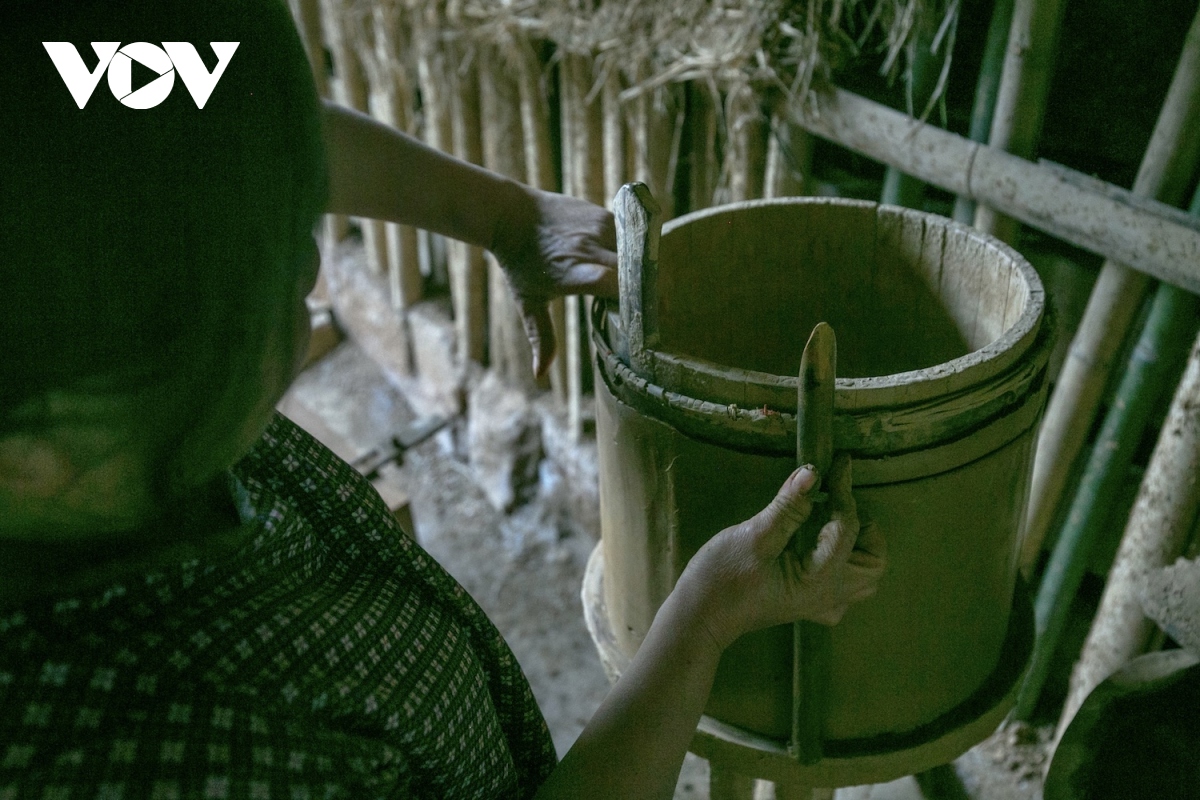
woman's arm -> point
(745, 578)
(547, 243)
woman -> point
(199, 599)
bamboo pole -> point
(390, 101)
(1149, 236)
(1152, 366)
(616, 172)
(986, 88)
(1162, 517)
(468, 271)
(811, 642)
(705, 167)
(1164, 513)
(1021, 96)
(1115, 301)
(900, 188)
(336, 226)
(745, 157)
(583, 144)
(437, 129)
(307, 14)
(540, 173)
(503, 152)
(789, 158)
(350, 89)
(570, 104)
(655, 144)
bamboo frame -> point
(789, 158)
(503, 152)
(1157, 531)
(702, 124)
(391, 103)
(899, 188)
(437, 129)
(1163, 516)
(468, 271)
(1148, 236)
(584, 176)
(349, 88)
(616, 165)
(1170, 160)
(1021, 96)
(1169, 327)
(654, 143)
(307, 14)
(745, 154)
(986, 87)
(539, 173)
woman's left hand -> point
(550, 246)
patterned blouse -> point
(328, 656)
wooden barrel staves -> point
(941, 356)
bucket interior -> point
(903, 290)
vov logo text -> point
(118, 61)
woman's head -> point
(151, 260)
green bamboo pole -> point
(986, 89)
(1029, 57)
(1168, 165)
(1153, 363)
(899, 188)
(814, 445)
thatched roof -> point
(772, 45)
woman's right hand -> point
(746, 577)
(751, 575)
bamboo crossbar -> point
(1147, 236)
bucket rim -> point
(706, 380)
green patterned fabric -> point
(329, 657)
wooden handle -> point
(814, 403)
(639, 223)
(814, 445)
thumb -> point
(535, 317)
(778, 522)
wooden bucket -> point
(942, 349)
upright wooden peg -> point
(814, 445)
(639, 224)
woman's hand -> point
(745, 577)
(751, 576)
(548, 244)
(551, 245)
